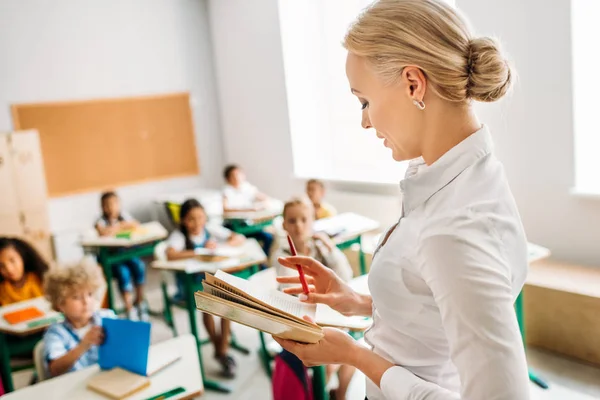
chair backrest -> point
(173, 210)
(38, 361)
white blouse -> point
(444, 283)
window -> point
(327, 139)
(585, 34)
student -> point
(298, 218)
(193, 234)
(128, 273)
(22, 271)
(240, 195)
(315, 189)
(73, 344)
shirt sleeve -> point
(219, 232)
(464, 266)
(176, 241)
(54, 345)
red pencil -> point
(300, 271)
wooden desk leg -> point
(191, 307)
(104, 259)
(519, 309)
(318, 383)
(5, 369)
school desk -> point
(248, 222)
(185, 372)
(26, 333)
(113, 250)
(244, 265)
(350, 228)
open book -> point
(269, 310)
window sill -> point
(585, 193)
(342, 185)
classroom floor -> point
(568, 379)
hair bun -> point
(489, 74)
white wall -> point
(253, 103)
(533, 129)
(86, 49)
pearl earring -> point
(420, 104)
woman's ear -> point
(416, 82)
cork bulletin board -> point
(99, 144)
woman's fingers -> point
(308, 264)
(294, 279)
(298, 289)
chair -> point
(38, 361)
(173, 210)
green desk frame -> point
(107, 257)
(244, 228)
(190, 304)
(11, 345)
(346, 244)
(520, 311)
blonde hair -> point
(298, 201)
(392, 34)
(59, 282)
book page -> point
(230, 296)
(270, 297)
(327, 316)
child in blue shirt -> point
(73, 344)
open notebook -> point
(269, 310)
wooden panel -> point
(101, 144)
(10, 225)
(566, 323)
(28, 168)
(565, 277)
(8, 198)
(36, 230)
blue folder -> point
(126, 345)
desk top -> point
(349, 226)
(273, 208)
(148, 232)
(250, 254)
(185, 373)
(32, 326)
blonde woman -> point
(445, 277)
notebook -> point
(268, 310)
(127, 344)
(23, 315)
(117, 383)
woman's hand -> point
(336, 347)
(325, 287)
